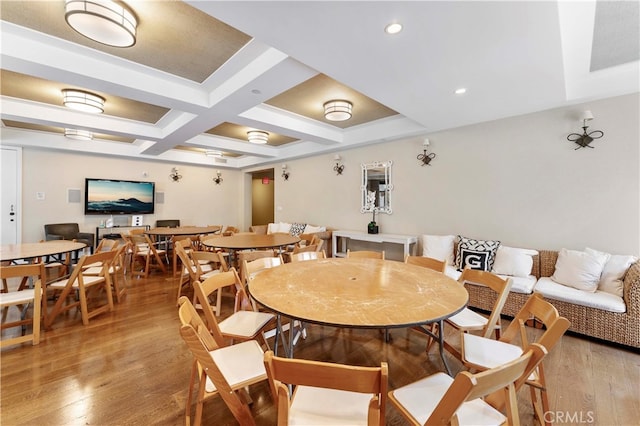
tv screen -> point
(110, 196)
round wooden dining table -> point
(182, 230)
(26, 251)
(251, 241)
(360, 293)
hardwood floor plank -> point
(131, 367)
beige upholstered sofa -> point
(599, 314)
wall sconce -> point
(285, 173)
(425, 158)
(583, 140)
(218, 179)
(175, 175)
(338, 168)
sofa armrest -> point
(631, 293)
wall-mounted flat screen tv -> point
(111, 196)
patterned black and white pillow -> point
(297, 229)
(476, 254)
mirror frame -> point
(364, 205)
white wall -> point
(195, 200)
(517, 180)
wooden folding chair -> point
(327, 393)
(481, 353)
(365, 254)
(82, 285)
(442, 400)
(22, 298)
(426, 262)
(227, 371)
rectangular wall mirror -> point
(376, 187)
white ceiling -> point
(513, 58)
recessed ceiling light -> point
(393, 28)
(461, 91)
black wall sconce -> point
(583, 140)
(425, 158)
(285, 173)
(218, 179)
(338, 168)
(175, 175)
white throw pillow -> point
(579, 269)
(516, 262)
(614, 271)
(438, 247)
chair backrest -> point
(203, 290)
(499, 285)
(229, 230)
(365, 254)
(540, 310)
(186, 260)
(200, 342)
(290, 371)
(35, 272)
(250, 269)
(168, 223)
(467, 387)
(307, 248)
(68, 231)
(107, 244)
(308, 255)
(427, 262)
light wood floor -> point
(130, 367)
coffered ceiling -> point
(203, 73)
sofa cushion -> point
(439, 247)
(476, 254)
(579, 269)
(516, 262)
(452, 272)
(522, 285)
(614, 271)
(310, 229)
(598, 299)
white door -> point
(10, 200)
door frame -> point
(18, 187)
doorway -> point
(11, 195)
(262, 197)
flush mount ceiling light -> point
(211, 153)
(83, 101)
(337, 110)
(460, 91)
(80, 135)
(105, 21)
(257, 136)
(393, 28)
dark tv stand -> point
(114, 232)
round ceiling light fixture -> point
(83, 101)
(257, 136)
(337, 110)
(79, 135)
(105, 21)
(393, 28)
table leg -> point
(440, 338)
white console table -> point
(405, 240)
